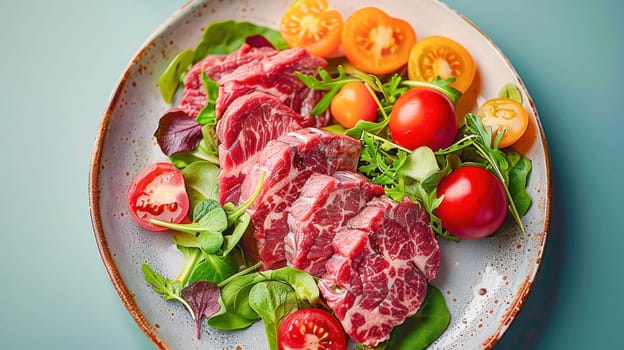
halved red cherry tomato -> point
(353, 103)
(158, 192)
(311, 329)
(313, 25)
(439, 56)
(474, 204)
(423, 117)
(508, 114)
(375, 42)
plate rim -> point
(509, 316)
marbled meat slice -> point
(287, 163)
(374, 280)
(275, 76)
(325, 204)
(248, 123)
(216, 66)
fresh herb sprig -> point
(389, 90)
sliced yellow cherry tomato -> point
(507, 114)
(375, 42)
(439, 56)
(313, 25)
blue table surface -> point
(60, 60)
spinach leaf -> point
(235, 301)
(209, 241)
(303, 283)
(214, 268)
(192, 256)
(210, 215)
(420, 330)
(227, 36)
(231, 241)
(185, 240)
(519, 170)
(219, 38)
(200, 179)
(207, 115)
(170, 78)
(235, 294)
(272, 301)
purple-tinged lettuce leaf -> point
(258, 40)
(203, 298)
(177, 132)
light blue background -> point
(59, 61)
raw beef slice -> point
(325, 204)
(287, 163)
(246, 126)
(216, 66)
(275, 76)
(374, 281)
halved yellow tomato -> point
(375, 42)
(507, 114)
(313, 25)
(439, 56)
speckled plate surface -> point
(485, 282)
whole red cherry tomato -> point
(423, 117)
(474, 204)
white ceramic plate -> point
(484, 282)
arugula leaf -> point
(164, 286)
(441, 85)
(363, 126)
(380, 159)
(326, 82)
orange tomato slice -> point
(313, 25)
(375, 42)
(439, 56)
(507, 114)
